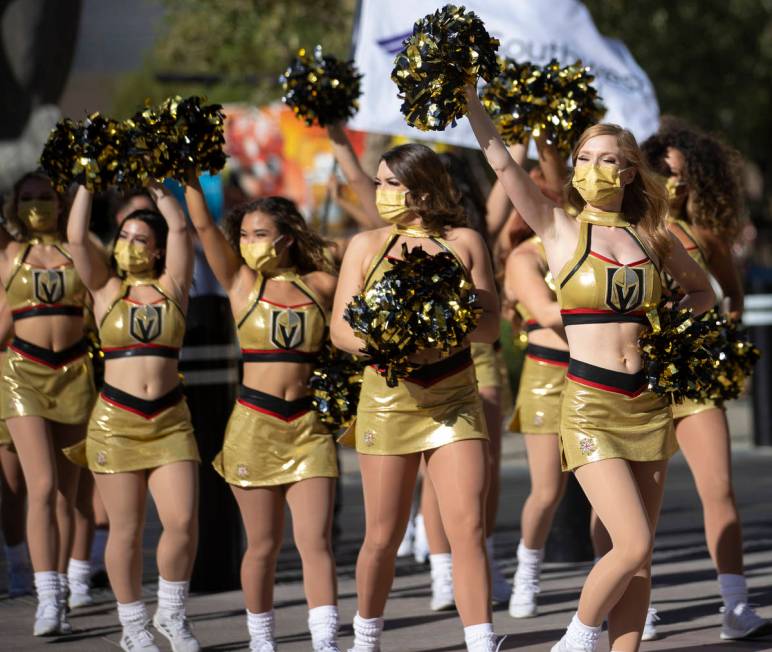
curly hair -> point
(13, 206)
(645, 199)
(308, 251)
(713, 175)
(432, 194)
(160, 230)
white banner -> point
(529, 30)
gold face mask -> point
(597, 184)
(38, 215)
(261, 256)
(675, 188)
(132, 257)
(391, 204)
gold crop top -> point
(274, 332)
(693, 248)
(35, 291)
(596, 289)
(130, 328)
(529, 323)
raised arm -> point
(362, 217)
(225, 263)
(179, 245)
(724, 268)
(699, 296)
(350, 282)
(524, 283)
(361, 182)
(536, 209)
(87, 257)
(553, 167)
(498, 207)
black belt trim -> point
(47, 311)
(273, 405)
(141, 406)
(47, 356)
(279, 356)
(547, 353)
(531, 326)
(431, 373)
(607, 379)
(141, 350)
(574, 319)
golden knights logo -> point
(48, 285)
(145, 322)
(624, 288)
(288, 328)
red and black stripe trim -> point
(579, 316)
(279, 355)
(46, 310)
(430, 374)
(532, 325)
(273, 405)
(547, 355)
(610, 381)
(47, 357)
(111, 353)
(140, 406)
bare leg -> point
(174, 488)
(459, 472)
(601, 543)
(262, 512)
(704, 440)
(67, 475)
(548, 483)
(491, 400)
(125, 497)
(84, 518)
(14, 497)
(311, 503)
(430, 510)
(388, 482)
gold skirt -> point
(5, 435)
(690, 407)
(270, 442)
(537, 408)
(437, 405)
(488, 365)
(126, 433)
(606, 414)
(37, 382)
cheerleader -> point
(705, 208)
(276, 449)
(47, 387)
(615, 434)
(140, 437)
(435, 413)
(530, 286)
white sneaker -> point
(262, 646)
(563, 645)
(138, 638)
(743, 622)
(406, 547)
(174, 626)
(327, 646)
(522, 602)
(47, 618)
(491, 643)
(442, 589)
(420, 542)
(650, 626)
(78, 600)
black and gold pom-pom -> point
(446, 51)
(335, 385)
(704, 358)
(555, 102)
(423, 302)
(320, 88)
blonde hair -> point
(645, 200)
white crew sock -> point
(79, 576)
(132, 614)
(580, 634)
(323, 624)
(528, 564)
(98, 546)
(172, 595)
(477, 637)
(260, 626)
(367, 634)
(733, 588)
(47, 585)
(441, 563)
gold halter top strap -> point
(128, 283)
(603, 218)
(21, 257)
(687, 230)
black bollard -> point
(569, 540)
(210, 368)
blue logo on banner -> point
(393, 44)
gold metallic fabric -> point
(690, 407)
(537, 408)
(410, 418)
(596, 424)
(488, 365)
(5, 436)
(261, 450)
(119, 440)
(64, 394)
